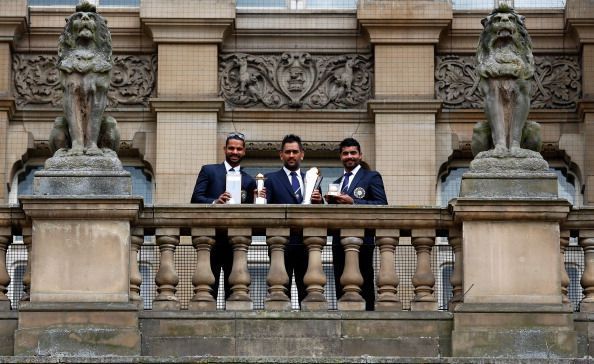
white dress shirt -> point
(353, 173)
(299, 178)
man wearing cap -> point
(359, 186)
(210, 188)
(286, 186)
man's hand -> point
(226, 196)
(261, 193)
(344, 199)
(316, 197)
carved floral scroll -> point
(556, 83)
(296, 80)
(37, 82)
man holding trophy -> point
(358, 185)
(289, 186)
(220, 184)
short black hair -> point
(236, 136)
(349, 142)
(291, 138)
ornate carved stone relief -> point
(296, 80)
(265, 146)
(37, 82)
(556, 83)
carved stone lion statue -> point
(85, 63)
(505, 65)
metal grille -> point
(258, 263)
(16, 264)
(574, 264)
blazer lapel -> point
(288, 187)
(355, 181)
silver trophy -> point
(313, 178)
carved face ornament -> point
(84, 27)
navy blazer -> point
(212, 181)
(369, 183)
(279, 189)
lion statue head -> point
(505, 47)
(85, 44)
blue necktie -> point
(345, 183)
(231, 169)
(296, 187)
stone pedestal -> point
(80, 277)
(511, 279)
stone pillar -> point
(13, 22)
(351, 279)
(564, 243)
(387, 279)
(404, 34)
(315, 279)
(277, 298)
(423, 280)
(240, 279)
(187, 104)
(166, 278)
(80, 305)
(511, 306)
(586, 241)
(202, 280)
(455, 241)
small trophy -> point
(333, 189)
(259, 187)
(313, 178)
(233, 186)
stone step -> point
(280, 360)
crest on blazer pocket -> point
(359, 192)
(243, 195)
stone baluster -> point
(387, 279)
(457, 278)
(240, 279)
(5, 240)
(586, 241)
(136, 240)
(166, 278)
(423, 280)
(277, 279)
(564, 243)
(351, 279)
(28, 241)
(203, 278)
(314, 279)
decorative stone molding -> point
(296, 80)
(37, 82)
(266, 146)
(556, 83)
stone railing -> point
(276, 223)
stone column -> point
(564, 243)
(423, 280)
(277, 298)
(351, 279)
(166, 278)
(136, 240)
(187, 104)
(240, 279)
(5, 240)
(13, 23)
(315, 279)
(404, 34)
(586, 241)
(455, 240)
(203, 278)
(387, 279)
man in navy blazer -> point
(359, 186)
(286, 186)
(210, 188)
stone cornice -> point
(584, 29)
(404, 22)
(404, 106)
(189, 105)
(182, 30)
(585, 106)
(470, 209)
(93, 207)
(11, 28)
(8, 105)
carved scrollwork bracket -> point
(296, 80)
(556, 83)
(37, 80)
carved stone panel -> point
(296, 80)
(556, 83)
(37, 81)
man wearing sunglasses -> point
(210, 189)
